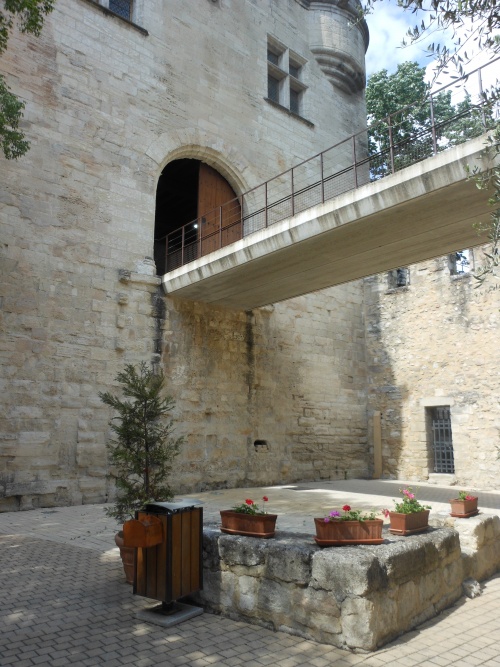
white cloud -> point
(388, 25)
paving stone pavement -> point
(63, 601)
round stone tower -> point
(338, 37)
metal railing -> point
(403, 138)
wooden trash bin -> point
(145, 532)
(172, 569)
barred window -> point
(273, 89)
(121, 7)
(273, 57)
(294, 101)
(399, 277)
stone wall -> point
(351, 597)
(108, 106)
(433, 343)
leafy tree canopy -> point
(29, 16)
(405, 97)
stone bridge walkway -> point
(64, 601)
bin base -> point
(179, 613)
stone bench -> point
(357, 598)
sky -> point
(388, 26)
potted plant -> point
(141, 454)
(249, 520)
(351, 527)
(464, 506)
(409, 516)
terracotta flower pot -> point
(409, 524)
(128, 557)
(251, 525)
(463, 509)
(337, 533)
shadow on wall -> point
(385, 396)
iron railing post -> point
(242, 217)
(481, 95)
(183, 237)
(391, 145)
(265, 201)
(293, 205)
(322, 180)
(220, 226)
(433, 127)
(354, 161)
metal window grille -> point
(273, 57)
(121, 7)
(442, 440)
(273, 89)
(294, 101)
(399, 278)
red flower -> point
(347, 508)
(248, 501)
(265, 499)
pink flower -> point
(385, 513)
(469, 498)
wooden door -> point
(219, 212)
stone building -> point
(131, 108)
(138, 112)
(433, 371)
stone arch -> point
(213, 150)
(218, 157)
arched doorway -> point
(197, 212)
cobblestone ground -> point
(63, 601)
(64, 605)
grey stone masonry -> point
(357, 597)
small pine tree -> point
(144, 449)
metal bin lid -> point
(172, 506)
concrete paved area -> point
(63, 600)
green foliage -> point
(490, 180)
(405, 97)
(12, 139)
(350, 514)
(465, 495)
(250, 507)
(143, 452)
(472, 23)
(409, 503)
(29, 15)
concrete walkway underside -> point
(64, 600)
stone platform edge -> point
(356, 598)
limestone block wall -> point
(351, 597)
(289, 377)
(479, 541)
(108, 105)
(433, 343)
